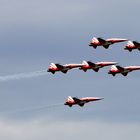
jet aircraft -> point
(105, 43)
(95, 66)
(81, 102)
(63, 68)
(123, 70)
(131, 45)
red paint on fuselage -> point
(70, 101)
(96, 42)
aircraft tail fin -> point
(52, 65)
(130, 43)
(70, 99)
(84, 63)
(113, 67)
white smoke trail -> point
(22, 75)
(33, 109)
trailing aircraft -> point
(63, 68)
(123, 70)
(131, 45)
(95, 66)
(105, 43)
(81, 102)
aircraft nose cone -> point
(100, 98)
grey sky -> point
(35, 33)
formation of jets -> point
(81, 102)
(87, 65)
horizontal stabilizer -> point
(94, 46)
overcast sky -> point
(34, 33)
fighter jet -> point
(123, 70)
(131, 45)
(81, 102)
(63, 68)
(105, 43)
(95, 66)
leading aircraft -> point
(123, 70)
(81, 102)
(63, 68)
(105, 43)
(95, 66)
(131, 45)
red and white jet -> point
(105, 43)
(81, 102)
(131, 45)
(95, 66)
(63, 68)
(123, 70)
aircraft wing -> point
(76, 100)
(136, 43)
(120, 68)
(79, 102)
(59, 66)
(101, 40)
(91, 64)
